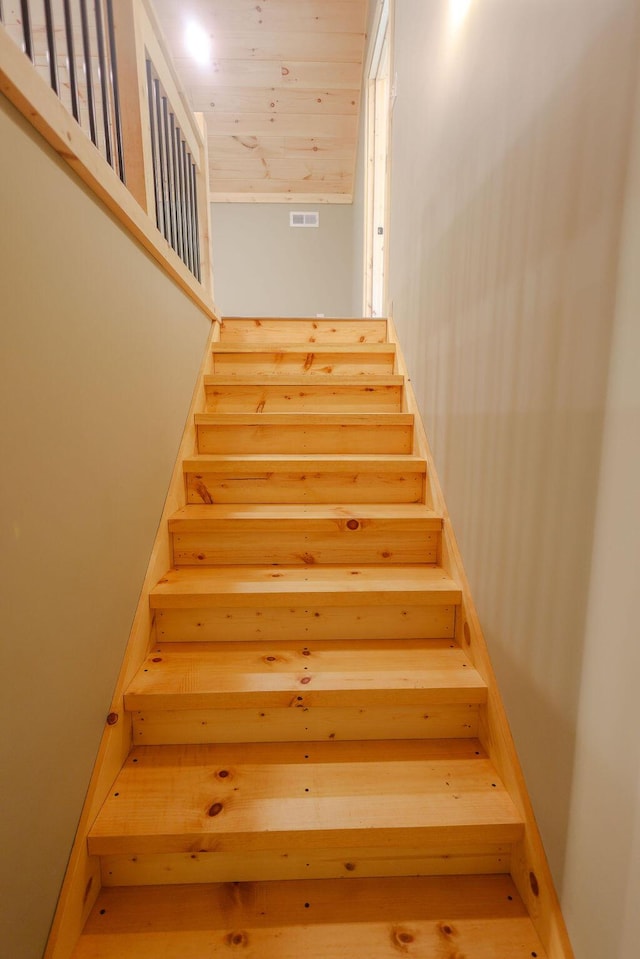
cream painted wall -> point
(99, 355)
(510, 149)
(266, 268)
(603, 853)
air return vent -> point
(304, 219)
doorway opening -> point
(377, 166)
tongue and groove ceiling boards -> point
(280, 94)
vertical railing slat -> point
(187, 206)
(27, 36)
(71, 60)
(86, 59)
(115, 88)
(102, 80)
(196, 230)
(51, 47)
(155, 160)
(161, 155)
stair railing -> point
(95, 78)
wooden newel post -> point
(136, 135)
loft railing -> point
(174, 176)
(106, 62)
(71, 45)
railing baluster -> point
(177, 193)
(155, 159)
(115, 86)
(161, 153)
(27, 36)
(196, 232)
(71, 60)
(170, 189)
(187, 206)
(102, 79)
(51, 47)
(86, 48)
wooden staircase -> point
(316, 767)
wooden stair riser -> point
(301, 723)
(304, 482)
(304, 622)
(281, 543)
(292, 395)
(345, 863)
(299, 361)
(275, 330)
(389, 433)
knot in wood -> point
(237, 939)
(112, 719)
(401, 939)
(216, 809)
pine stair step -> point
(304, 432)
(241, 603)
(480, 917)
(253, 330)
(329, 585)
(282, 797)
(354, 360)
(311, 477)
(273, 394)
(184, 676)
(237, 534)
(283, 691)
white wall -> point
(99, 354)
(602, 883)
(264, 267)
(510, 149)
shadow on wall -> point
(511, 273)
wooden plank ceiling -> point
(281, 94)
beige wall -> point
(99, 355)
(264, 267)
(602, 884)
(510, 147)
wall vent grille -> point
(304, 219)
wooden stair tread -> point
(210, 516)
(263, 795)
(264, 585)
(183, 675)
(481, 917)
